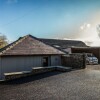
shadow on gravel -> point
(30, 78)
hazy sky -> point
(50, 18)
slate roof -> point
(29, 45)
(63, 44)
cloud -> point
(88, 25)
(85, 26)
(11, 1)
(81, 27)
(87, 33)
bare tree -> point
(3, 41)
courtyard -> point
(83, 84)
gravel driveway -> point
(75, 85)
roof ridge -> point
(59, 39)
(14, 44)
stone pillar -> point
(84, 60)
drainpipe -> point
(0, 67)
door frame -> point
(49, 61)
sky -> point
(64, 19)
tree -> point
(3, 41)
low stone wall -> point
(39, 70)
(36, 70)
(74, 60)
(11, 76)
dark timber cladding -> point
(94, 50)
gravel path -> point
(75, 85)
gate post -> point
(84, 60)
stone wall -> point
(74, 60)
(36, 70)
(94, 50)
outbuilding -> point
(28, 52)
